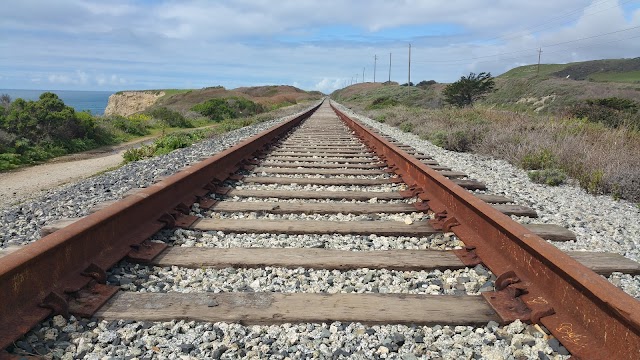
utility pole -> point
(539, 53)
(409, 82)
(375, 61)
(389, 67)
(363, 75)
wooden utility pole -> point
(389, 67)
(375, 62)
(539, 53)
(409, 81)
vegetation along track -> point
(323, 173)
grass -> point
(374, 94)
(602, 160)
(532, 70)
(624, 77)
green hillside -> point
(608, 70)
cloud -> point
(318, 45)
(59, 79)
(327, 85)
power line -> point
(560, 17)
(525, 50)
(556, 51)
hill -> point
(378, 95)
(609, 70)
(556, 88)
(269, 96)
(182, 100)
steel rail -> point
(63, 272)
(536, 281)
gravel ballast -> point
(91, 339)
(599, 222)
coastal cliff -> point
(126, 103)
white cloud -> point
(253, 42)
(59, 79)
(327, 85)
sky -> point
(314, 45)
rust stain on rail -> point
(52, 274)
(590, 316)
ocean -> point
(94, 101)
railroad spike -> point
(57, 303)
(96, 272)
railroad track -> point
(325, 199)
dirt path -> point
(30, 182)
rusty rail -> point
(536, 281)
(64, 272)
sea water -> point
(93, 101)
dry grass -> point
(601, 159)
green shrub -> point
(9, 161)
(381, 118)
(460, 141)
(406, 126)
(542, 159)
(612, 112)
(170, 118)
(168, 143)
(593, 181)
(551, 177)
(133, 126)
(219, 109)
(382, 102)
(438, 138)
(615, 103)
(135, 154)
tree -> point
(468, 89)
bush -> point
(612, 112)
(219, 109)
(133, 126)
(383, 102)
(615, 103)
(168, 143)
(460, 140)
(135, 154)
(551, 177)
(164, 145)
(406, 126)
(426, 83)
(170, 118)
(381, 118)
(542, 159)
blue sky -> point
(315, 45)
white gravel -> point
(600, 222)
(134, 277)
(219, 239)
